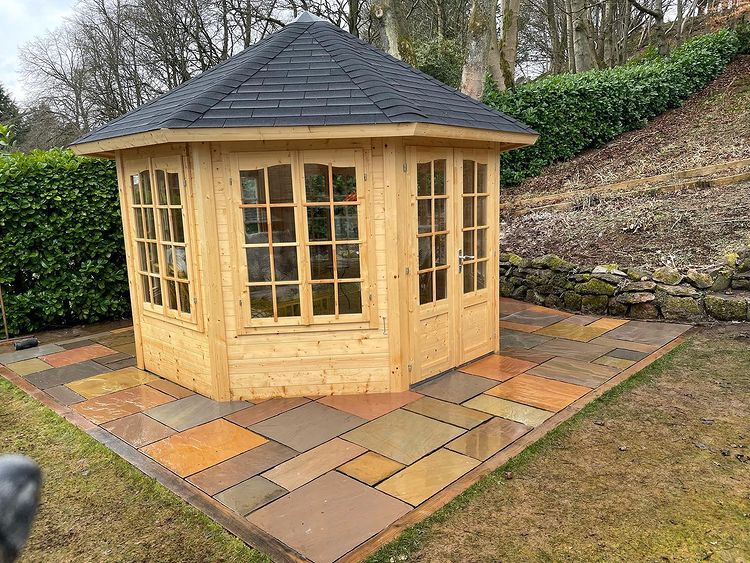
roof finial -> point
(306, 17)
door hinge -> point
(385, 325)
(240, 302)
(410, 367)
(365, 176)
(408, 270)
(230, 180)
(406, 167)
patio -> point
(334, 477)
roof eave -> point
(106, 147)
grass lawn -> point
(95, 506)
(658, 469)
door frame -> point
(455, 302)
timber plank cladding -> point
(310, 217)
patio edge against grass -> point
(432, 505)
(234, 524)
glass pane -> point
(469, 243)
(441, 223)
(468, 212)
(256, 226)
(319, 223)
(156, 291)
(261, 302)
(184, 290)
(287, 300)
(441, 284)
(174, 188)
(316, 182)
(150, 227)
(172, 295)
(168, 256)
(146, 290)
(161, 186)
(482, 210)
(440, 177)
(350, 298)
(347, 261)
(153, 258)
(180, 262)
(142, 256)
(323, 299)
(258, 264)
(345, 218)
(344, 184)
(280, 183)
(425, 252)
(425, 288)
(179, 231)
(285, 263)
(468, 176)
(481, 275)
(321, 262)
(424, 215)
(136, 187)
(482, 243)
(164, 217)
(282, 224)
(481, 178)
(146, 188)
(468, 278)
(138, 220)
(424, 177)
(253, 186)
(441, 250)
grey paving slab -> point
(66, 374)
(250, 495)
(455, 386)
(193, 410)
(10, 357)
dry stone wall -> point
(720, 293)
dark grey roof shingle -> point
(309, 73)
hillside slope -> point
(689, 227)
(712, 126)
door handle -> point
(461, 258)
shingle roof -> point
(309, 73)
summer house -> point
(310, 217)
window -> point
(162, 258)
(432, 231)
(475, 225)
(302, 222)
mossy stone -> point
(638, 286)
(594, 304)
(723, 279)
(552, 262)
(616, 308)
(644, 311)
(572, 300)
(519, 292)
(596, 286)
(681, 309)
(506, 287)
(635, 297)
(726, 307)
(701, 280)
(667, 275)
(516, 260)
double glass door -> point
(454, 224)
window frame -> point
(238, 161)
(477, 158)
(169, 163)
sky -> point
(21, 21)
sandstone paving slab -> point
(66, 374)
(193, 410)
(250, 495)
(371, 468)
(329, 517)
(540, 392)
(451, 413)
(455, 386)
(530, 416)
(575, 371)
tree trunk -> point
(660, 35)
(556, 64)
(581, 40)
(570, 35)
(507, 50)
(387, 22)
(481, 30)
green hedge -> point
(573, 112)
(61, 249)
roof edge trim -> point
(301, 132)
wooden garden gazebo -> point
(310, 217)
